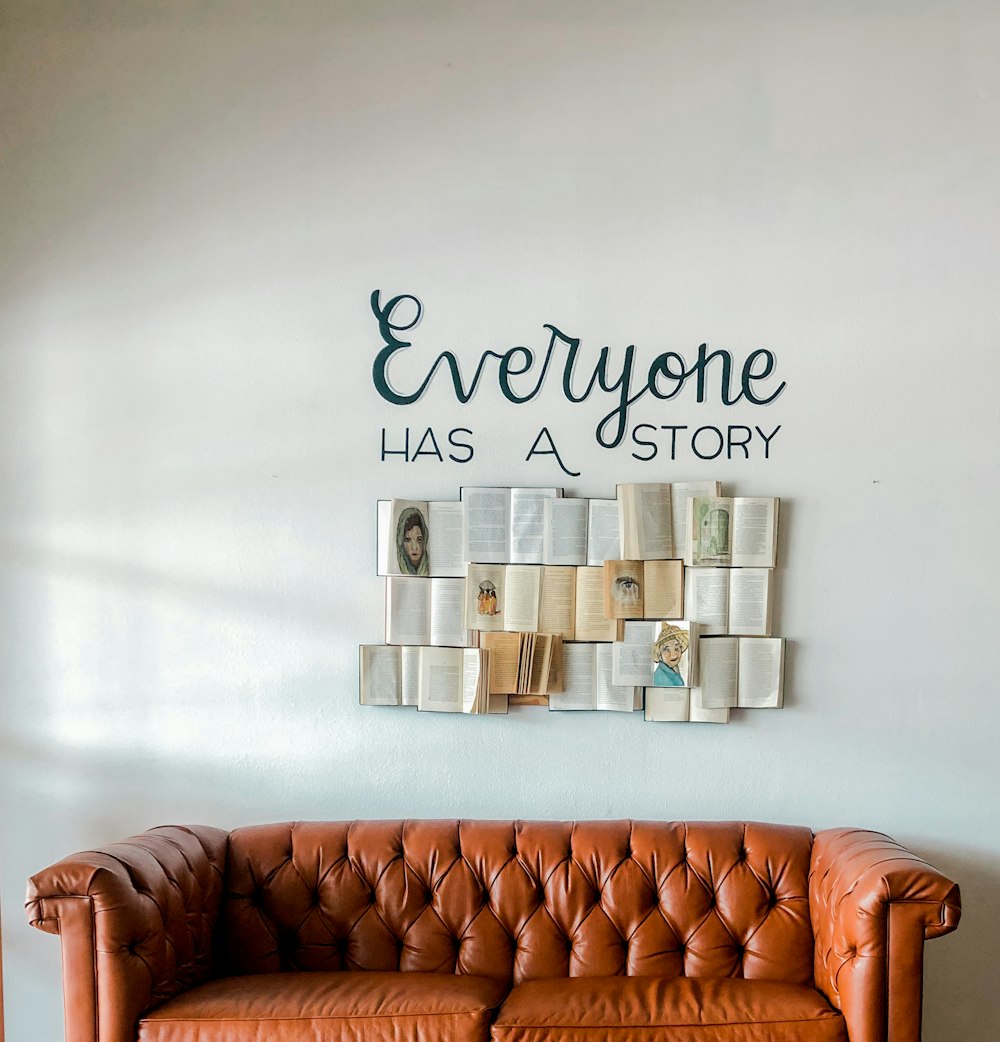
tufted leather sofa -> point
(441, 931)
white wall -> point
(198, 200)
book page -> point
(590, 623)
(680, 493)
(750, 601)
(651, 521)
(709, 530)
(498, 705)
(486, 525)
(579, 680)
(407, 610)
(441, 672)
(717, 672)
(522, 593)
(565, 532)
(663, 592)
(624, 587)
(557, 605)
(410, 675)
(618, 698)
(448, 612)
(484, 597)
(667, 705)
(504, 649)
(380, 675)
(755, 532)
(408, 552)
(706, 595)
(699, 714)
(761, 673)
(603, 535)
(473, 700)
(383, 520)
(541, 661)
(631, 658)
(445, 548)
(527, 506)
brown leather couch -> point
(441, 931)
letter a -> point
(550, 451)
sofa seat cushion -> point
(657, 1009)
(306, 1007)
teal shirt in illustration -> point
(664, 676)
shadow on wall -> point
(960, 975)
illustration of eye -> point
(626, 589)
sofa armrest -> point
(136, 922)
(873, 904)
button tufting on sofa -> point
(512, 930)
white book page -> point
(484, 597)
(486, 525)
(527, 507)
(652, 522)
(761, 672)
(380, 675)
(383, 518)
(410, 675)
(471, 668)
(698, 714)
(522, 592)
(448, 612)
(445, 546)
(754, 532)
(579, 682)
(680, 493)
(590, 622)
(407, 610)
(750, 601)
(440, 689)
(706, 593)
(565, 525)
(557, 606)
(603, 532)
(618, 698)
(668, 704)
(718, 660)
(631, 659)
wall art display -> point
(659, 600)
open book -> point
(644, 589)
(551, 599)
(419, 538)
(524, 663)
(659, 653)
(587, 681)
(438, 680)
(740, 531)
(742, 672)
(501, 525)
(652, 518)
(425, 611)
(729, 600)
(680, 705)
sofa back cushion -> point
(520, 901)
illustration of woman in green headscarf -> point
(668, 650)
(411, 543)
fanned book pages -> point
(524, 663)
